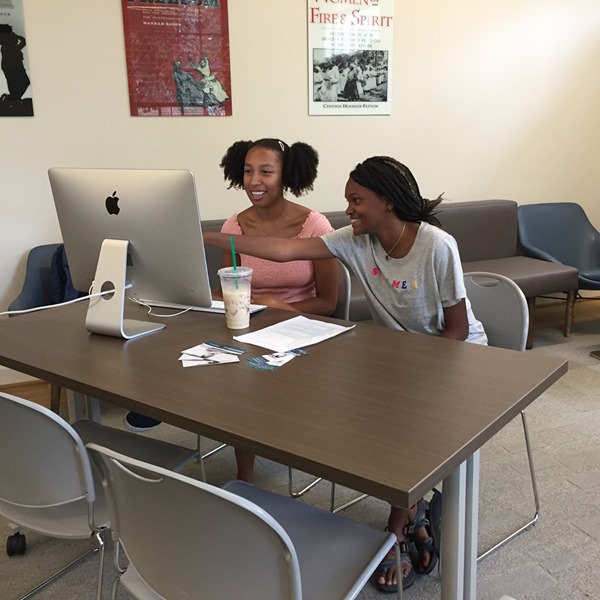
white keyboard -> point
(217, 306)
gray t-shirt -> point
(408, 293)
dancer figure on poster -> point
(209, 84)
(317, 82)
(11, 46)
(330, 87)
(351, 87)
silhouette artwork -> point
(13, 68)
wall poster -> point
(177, 57)
(350, 56)
(15, 88)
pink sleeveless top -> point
(291, 281)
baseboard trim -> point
(8, 377)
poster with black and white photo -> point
(15, 86)
(350, 56)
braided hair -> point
(299, 163)
(392, 180)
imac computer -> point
(136, 232)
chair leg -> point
(201, 456)
(303, 491)
(100, 547)
(332, 508)
(100, 542)
(115, 588)
(531, 306)
(399, 592)
(536, 497)
(569, 309)
(214, 451)
(346, 504)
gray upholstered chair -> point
(561, 233)
(40, 289)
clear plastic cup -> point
(236, 288)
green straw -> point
(233, 261)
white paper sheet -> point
(293, 333)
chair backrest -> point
(560, 232)
(45, 473)
(38, 288)
(500, 305)
(342, 309)
(188, 539)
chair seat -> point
(156, 452)
(591, 274)
(345, 547)
(234, 542)
(535, 277)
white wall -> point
(494, 99)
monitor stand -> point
(105, 313)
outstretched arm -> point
(456, 322)
(326, 284)
(271, 248)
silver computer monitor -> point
(154, 219)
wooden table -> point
(387, 413)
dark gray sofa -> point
(487, 235)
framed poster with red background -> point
(177, 57)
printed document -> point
(293, 333)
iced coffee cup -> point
(235, 285)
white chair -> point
(47, 483)
(237, 542)
(502, 308)
(342, 311)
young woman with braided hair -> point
(412, 277)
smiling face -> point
(367, 210)
(263, 177)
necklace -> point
(274, 226)
(387, 254)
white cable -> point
(181, 312)
(28, 310)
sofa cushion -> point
(483, 229)
(534, 277)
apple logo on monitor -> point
(112, 204)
